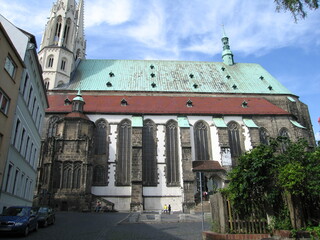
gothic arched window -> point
(100, 141)
(66, 32)
(124, 153)
(76, 175)
(58, 30)
(264, 136)
(52, 127)
(99, 176)
(202, 141)
(149, 151)
(172, 156)
(234, 139)
(67, 175)
(50, 60)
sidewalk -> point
(156, 217)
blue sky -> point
(190, 30)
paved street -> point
(116, 226)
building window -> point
(30, 95)
(76, 175)
(26, 147)
(50, 62)
(25, 84)
(124, 153)
(58, 30)
(67, 176)
(14, 189)
(149, 153)
(172, 156)
(63, 65)
(101, 137)
(8, 178)
(234, 139)
(4, 102)
(264, 136)
(66, 32)
(99, 175)
(201, 141)
(52, 128)
(22, 140)
(16, 130)
(10, 66)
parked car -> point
(46, 216)
(19, 219)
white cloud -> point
(112, 12)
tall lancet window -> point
(124, 153)
(100, 142)
(52, 127)
(76, 175)
(172, 155)
(58, 30)
(202, 141)
(149, 153)
(66, 32)
(234, 139)
(264, 136)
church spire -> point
(63, 42)
(227, 55)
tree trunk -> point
(295, 209)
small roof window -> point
(109, 84)
(244, 104)
(111, 74)
(270, 87)
(151, 66)
(223, 68)
(261, 77)
(124, 102)
(67, 101)
(152, 75)
(234, 86)
(228, 76)
(153, 85)
(189, 103)
(195, 85)
(191, 75)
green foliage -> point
(297, 7)
(265, 173)
(314, 231)
(282, 220)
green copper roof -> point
(173, 76)
(250, 123)
(219, 122)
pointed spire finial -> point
(227, 55)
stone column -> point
(187, 175)
(136, 204)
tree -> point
(278, 181)
(297, 7)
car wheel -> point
(26, 231)
(36, 227)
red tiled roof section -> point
(168, 105)
(207, 165)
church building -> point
(136, 134)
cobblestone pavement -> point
(116, 226)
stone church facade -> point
(137, 134)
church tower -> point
(63, 43)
